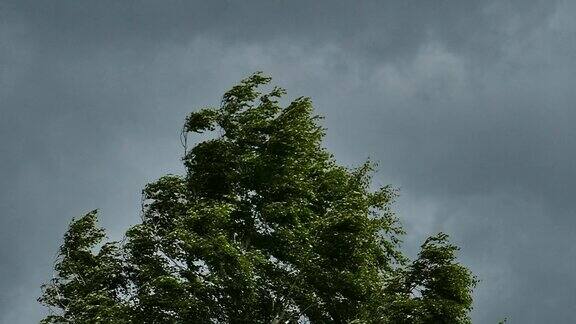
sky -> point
(468, 106)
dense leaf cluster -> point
(265, 227)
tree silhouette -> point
(265, 227)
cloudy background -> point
(469, 106)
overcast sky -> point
(469, 106)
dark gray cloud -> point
(468, 106)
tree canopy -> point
(264, 227)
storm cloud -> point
(468, 106)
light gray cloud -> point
(466, 104)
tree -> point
(265, 227)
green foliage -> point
(265, 227)
(88, 286)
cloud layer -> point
(468, 106)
